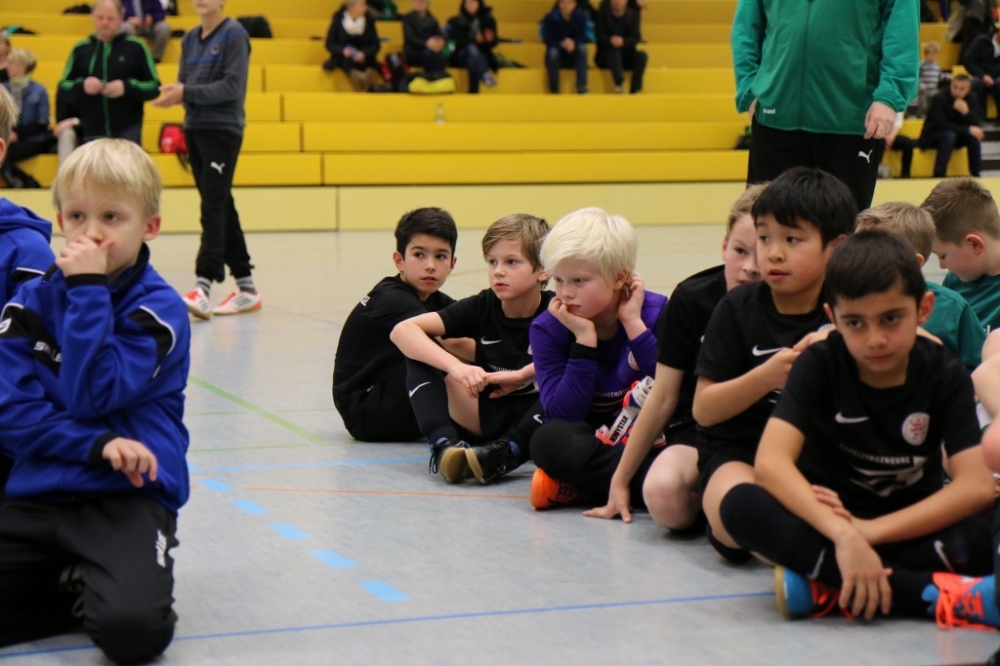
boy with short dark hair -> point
(564, 31)
(95, 361)
(967, 224)
(369, 372)
(850, 500)
(952, 320)
(953, 122)
(758, 330)
(494, 399)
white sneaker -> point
(239, 302)
(197, 303)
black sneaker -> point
(490, 461)
(448, 457)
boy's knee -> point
(669, 499)
(558, 449)
(133, 636)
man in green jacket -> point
(823, 80)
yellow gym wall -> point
(474, 206)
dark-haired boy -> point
(369, 372)
(953, 122)
(758, 330)
(850, 500)
(967, 224)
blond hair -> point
(962, 206)
(606, 242)
(114, 165)
(25, 58)
(930, 47)
(743, 205)
(117, 4)
(8, 114)
(903, 219)
(526, 229)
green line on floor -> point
(274, 418)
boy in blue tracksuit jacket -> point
(93, 364)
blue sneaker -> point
(964, 601)
(797, 596)
(488, 80)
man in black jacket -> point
(618, 33)
(953, 121)
(983, 64)
(108, 78)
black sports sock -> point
(759, 523)
(530, 421)
(734, 555)
(429, 399)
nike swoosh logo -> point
(819, 562)
(418, 387)
(939, 549)
(764, 352)
(537, 417)
(489, 342)
(840, 418)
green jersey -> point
(954, 321)
(982, 294)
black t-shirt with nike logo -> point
(744, 332)
(501, 343)
(879, 449)
(365, 351)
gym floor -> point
(301, 546)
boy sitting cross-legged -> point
(94, 359)
(494, 399)
(850, 499)
(758, 330)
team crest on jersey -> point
(632, 363)
(215, 50)
(915, 428)
(364, 301)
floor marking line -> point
(216, 485)
(404, 493)
(425, 618)
(332, 463)
(260, 411)
(289, 531)
(333, 559)
(310, 318)
(383, 590)
(250, 507)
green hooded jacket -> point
(817, 65)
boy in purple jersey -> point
(665, 479)
(593, 343)
(849, 498)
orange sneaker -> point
(797, 596)
(965, 602)
(548, 493)
(197, 303)
(239, 302)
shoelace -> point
(825, 599)
(949, 612)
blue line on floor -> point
(250, 507)
(192, 469)
(335, 463)
(383, 590)
(289, 531)
(425, 618)
(333, 559)
(216, 485)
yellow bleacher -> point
(304, 127)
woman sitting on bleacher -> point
(474, 33)
(423, 40)
(353, 43)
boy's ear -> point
(453, 260)
(725, 243)
(3, 150)
(60, 223)
(829, 313)
(152, 228)
(397, 259)
(921, 259)
(621, 279)
(925, 307)
(976, 241)
(836, 241)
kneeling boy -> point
(850, 501)
(94, 359)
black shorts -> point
(498, 416)
(712, 456)
(682, 434)
(383, 412)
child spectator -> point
(618, 34)
(474, 33)
(594, 342)
(423, 40)
(147, 18)
(95, 359)
(953, 121)
(666, 480)
(353, 44)
(758, 330)
(212, 85)
(850, 501)
(901, 143)
(564, 31)
(369, 372)
(930, 76)
(109, 77)
(983, 63)
(494, 398)
(952, 320)
(967, 243)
